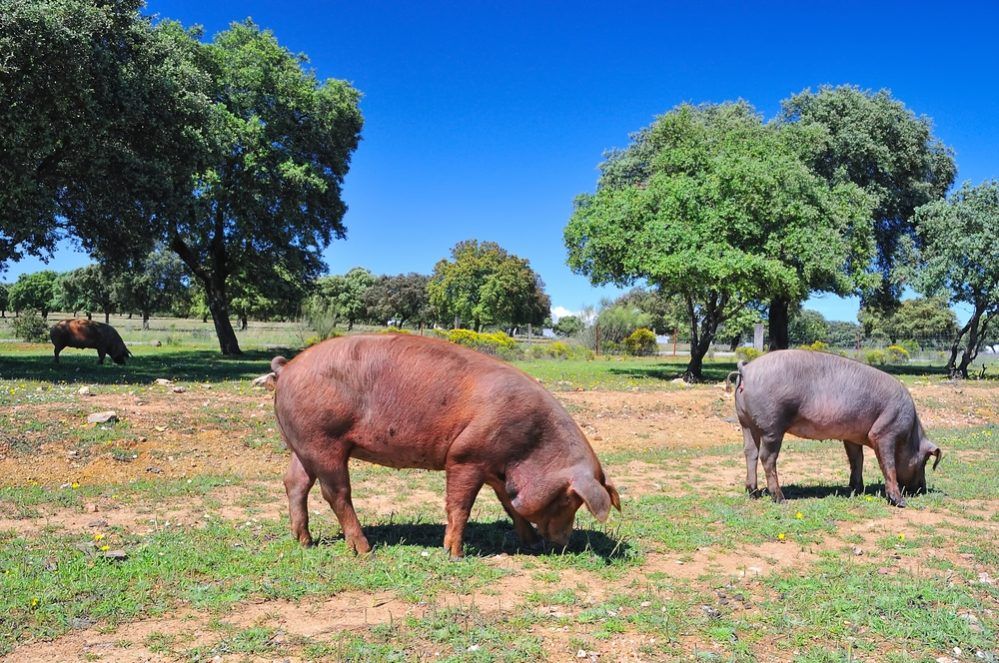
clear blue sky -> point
(484, 119)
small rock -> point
(100, 522)
(80, 622)
(473, 648)
(710, 612)
(858, 551)
(116, 555)
(90, 507)
(51, 565)
(946, 659)
(160, 429)
(155, 343)
(985, 578)
(179, 390)
(84, 391)
(154, 470)
(581, 654)
(645, 604)
(106, 417)
(164, 381)
(142, 439)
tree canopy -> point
(928, 320)
(102, 122)
(483, 284)
(874, 141)
(34, 292)
(712, 205)
(960, 258)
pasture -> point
(165, 535)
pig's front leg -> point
(463, 484)
(525, 531)
(884, 449)
(855, 454)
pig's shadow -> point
(488, 538)
(794, 491)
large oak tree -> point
(712, 205)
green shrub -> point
(817, 346)
(747, 353)
(321, 317)
(493, 343)
(876, 357)
(30, 327)
(393, 330)
(911, 346)
(641, 342)
(558, 350)
(897, 354)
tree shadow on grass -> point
(667, 371)
(488, 538)
(81, 367)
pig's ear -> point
(931, 449)
(596, 497)
(614, 497)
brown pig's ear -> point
(596, 497)
(614, 497)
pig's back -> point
(398, 400)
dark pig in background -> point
(89, 334)
(410, 401)
(823, 396)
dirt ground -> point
(169, 437)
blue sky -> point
(485, 119)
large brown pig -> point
(410, 401)
(823, 396)
(89, 334)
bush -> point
(817, 346)
(747, 353)
(30, 327)
(641, 342)
(321, 317)
(494, 343)
(911, 346)
(558, 350)
(897, 354)
(876, 357)
(393, 330)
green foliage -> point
(484, 285)
(34, 292)
(928, 318)
(399, 300)
(321, 317)
(911, 346)
(877, 357)
(722, 209)
(817, 346)
(874, 141)
(807, 326)
(747, 354)
(30, 327)
(493, 343)
(843, 334)
(667, 313)
(104, 118)
(641, 342)
(897, 354)
(568, 325)
(960, 257)
(343, 296)
(619, 321)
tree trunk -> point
(242, 322)
(107, 315)
(955, 348)
(219, 308)
(971, 348)
(145, 321)
(90, 315)
(778, 322)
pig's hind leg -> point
(751, 447)
(769, 450)
(334, 481)
(297, 484)
(855, 454)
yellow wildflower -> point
(781, 537)
(98, 536)
(799, 515)
(75, 485)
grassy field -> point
(165, 535)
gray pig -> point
(823, 396)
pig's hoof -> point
(899, 502)
(456, 558)
(754, 493)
